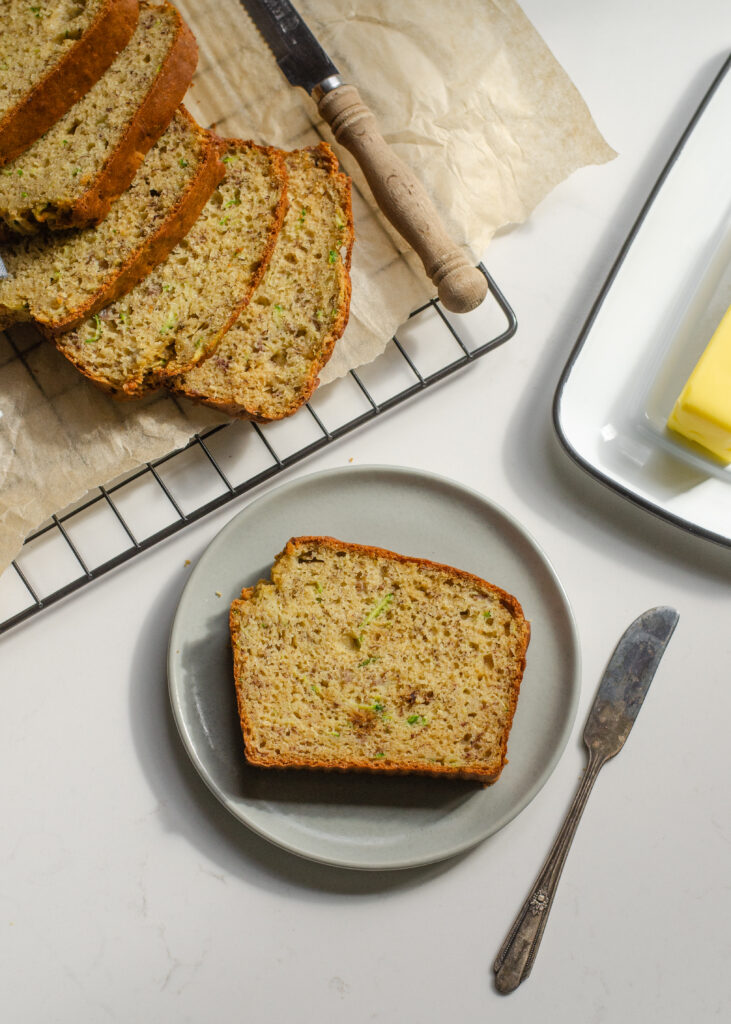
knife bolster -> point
(325, 86)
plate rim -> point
(589, 467)
(573, 684)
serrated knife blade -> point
(401, 197)
(299, 55)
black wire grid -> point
(112, 524)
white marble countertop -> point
(128, 894)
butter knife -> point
(399, 194)
(621, 692)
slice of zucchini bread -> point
(50, 55)
(356, 658)
(71, 176)
(178, 313)
(58, 278)
(266, 365)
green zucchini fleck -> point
(416, 720)
(378, 609)
(97, 331)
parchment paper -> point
(469, 95)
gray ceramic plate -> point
(369, 821)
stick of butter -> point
(702, 412)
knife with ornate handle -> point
(621, 692)
(399, 194)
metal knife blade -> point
(3, 270)
(627, 679)
(298, 53)
(622, 690)
(400, 195)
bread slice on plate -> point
(179, 312)
(50, 55)
(71, 176)
(266, 365)
(59, 278)
(354, 658)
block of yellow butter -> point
(702, 412)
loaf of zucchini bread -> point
(51, 54)
(146, 280)
(357, 658)
(59, 278)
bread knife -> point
(622, 690)
(399, 194)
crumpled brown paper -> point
(469, 96)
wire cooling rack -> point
(113, 524)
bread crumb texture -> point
(55, 275)
(356, 658)
(266, 366)
(34, 39)
(57, 170)
(179, 312)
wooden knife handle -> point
(403, 199)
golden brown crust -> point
(81, 66)
(152, 118)
(182, 217)
(327, 159)
(383, 767)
